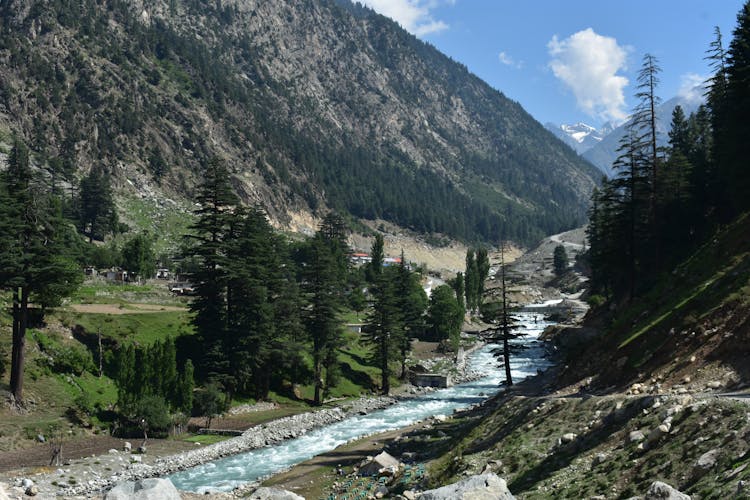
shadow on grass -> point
(357, 377)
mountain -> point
(312, 104)
(580, 136)
(604, 154)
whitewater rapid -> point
(228, 473)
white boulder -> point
(265, 493)
(145, 489)
(663, 491)
(482, 487)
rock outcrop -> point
(663, 491)
(482, 487)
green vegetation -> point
(206, 438)
(522, 436)
(140, 328)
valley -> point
(320, 249)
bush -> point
(596, 301)
(154, 412)
(209, 402)
(73, 358)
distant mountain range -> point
(599, 146)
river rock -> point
(32, 491)
(127, 447)
(663, 491)
(265, 493)
(483, 487)
(145, 489)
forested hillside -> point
(669, 234)
(312, 105)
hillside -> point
(313, 105)
(659, 393)
(691, 329)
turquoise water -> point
(227, 473)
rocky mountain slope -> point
(314, 105)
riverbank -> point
(90, 475)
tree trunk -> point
(384, 372)
(318, 381)
(506, 359)
(20, 323)
(16, 316)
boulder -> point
(663, 491)
(32, 491)
(145, 489)
(381, 463)
(127, 447)
(636, 436)
(707, 461)
(600, 458)
(265, 493)
(483, 487)
(569, 437)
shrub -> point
(209, 402)
(154, 412)
(596, 301)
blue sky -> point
(575, 60)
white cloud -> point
(588, 64)
(507, 60)
(692, 87)
(414, 16)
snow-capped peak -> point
(579, 131)
(581, 136)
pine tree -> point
(208, 243)
(375, 266)
(471, 279)
(97, 215)
(499, 315)
(459, 287)
(325, 275)
(560, 260)
(413, 302)
(483, 269)
(444, 316)
(732, 147)
(384, 324)
(36, 265)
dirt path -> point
(38, 456)
(124, 308)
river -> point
(227, 473)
